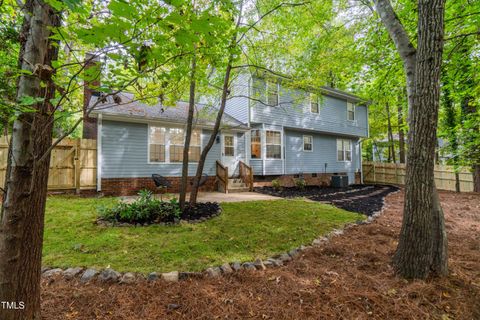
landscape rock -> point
(173, 306)
(52, 272)
(284, 257)
(259, 264)
(248, 266)
(267, 263)
(236, 266)
(88, 275)
(45, 269)
(319, 241)
(152, 276)
(109, 275)
(275, 262)
(186, 275)
(293, 253)
(170, 276)
(226, 269)
(213, 272)
(128, 277)
(71, 273)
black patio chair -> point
(161, 183)
(203, 180)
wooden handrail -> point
(222, 175)
(246, 174)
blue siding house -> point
(278, 131)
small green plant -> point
(145, 209)
(300, 183)
(276, 184)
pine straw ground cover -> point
(348, 278)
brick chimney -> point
(91, 80)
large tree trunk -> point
(401, 134)
(422, 249)
(391, 144)
(23, 209)
(476, 178)
(188, 134)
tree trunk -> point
(391, 145)
(401, 134)
(476, 178)
(422, 248)
(23, 209)
(211, 141)
(188, 134)
(451, 124)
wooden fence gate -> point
(73, 164)
(394, 173)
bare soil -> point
(350, 277)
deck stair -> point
(237, 185)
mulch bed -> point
(364, 199)
(348, 277)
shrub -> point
(145, 209)
(300, 183)
(276, 184)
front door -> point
(229, 153)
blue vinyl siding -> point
(238, 102)
(125, 153)
(324, 151)
(294, 112)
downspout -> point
(99, 153)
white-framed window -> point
(344, 150)
(350, 111)
(229, 145)
(314, 105)
(166, 145)
(157, 143)
(195, 146)
(273, 142)
(272, 94)
(308, 143)
(256, 144)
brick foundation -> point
(322, 179)
(131, 186)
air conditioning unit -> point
(339, 181)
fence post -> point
(77, 165)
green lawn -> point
(243, 232)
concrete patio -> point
(215, 197)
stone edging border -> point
(111, 276)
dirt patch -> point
(350, 277)
(364, 199)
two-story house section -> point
(273, 129)
(314, 133)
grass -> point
(243, 232)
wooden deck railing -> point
(222, 177)
(246, 174)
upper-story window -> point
(314, 106)
(256, 144)
(273, 144)
(344, 150)
(272, 94)
(350, 111)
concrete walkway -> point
(216, 197)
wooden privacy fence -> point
(73, 164)
(394, 173)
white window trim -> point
(344, 150)
(303, 142)
(354, 112)
(318, 104)
(267, 84)
(261, 144)
(167, 144)
(234, 144)
(281, 144)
